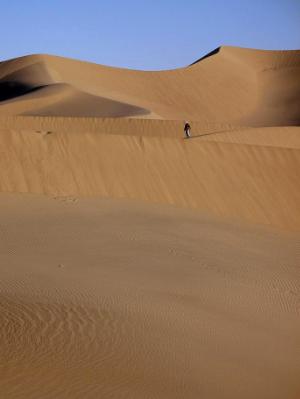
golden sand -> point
(135, 263)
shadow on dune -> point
(61, 99)
(10, 90)
(214, 52)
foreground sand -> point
(118, 299)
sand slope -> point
(239, 86)
(113, 299)
(60, 99)
(253, 182)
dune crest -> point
(230, 85)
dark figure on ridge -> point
(187, 129)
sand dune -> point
(20, 94)
(237, 86)
(117, 299)
(253, 182)
(135, 263)
(282, 137)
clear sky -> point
(145, 34)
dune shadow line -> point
(13, 89)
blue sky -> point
(142, 34)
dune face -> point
(135, 263)
(110, 299)
(32, 89)
(233, 174)
(231, 85)
(27, 79)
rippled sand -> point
(115, 299)
(112, 298)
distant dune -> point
(232, 85)
(136, 263)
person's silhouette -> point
(187, 129)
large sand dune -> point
(135, 263)
(233, 85)
(255, 182)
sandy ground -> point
(115, 299)
(135, 263)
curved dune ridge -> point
(231, 85)
(32, 89)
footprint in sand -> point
(43, 132)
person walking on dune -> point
(187, 129)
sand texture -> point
(110, 299)
(135, 263)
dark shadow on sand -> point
(13, 89)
